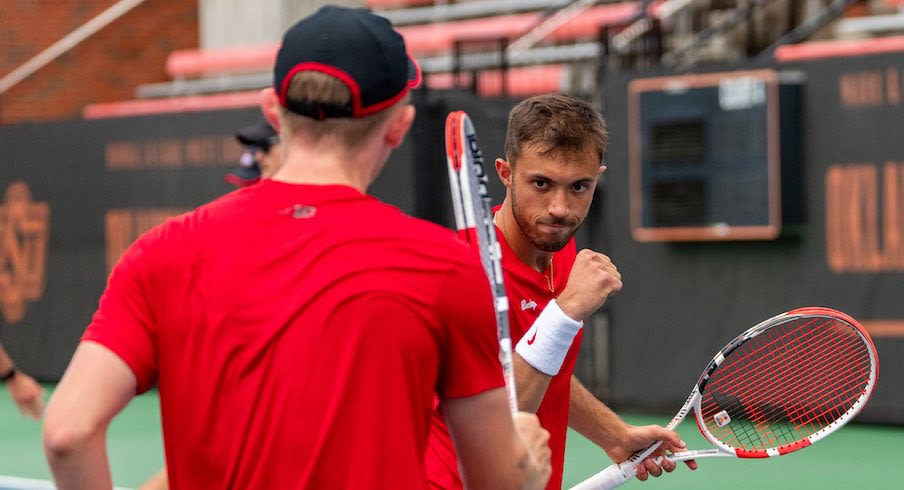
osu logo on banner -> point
(24, 226)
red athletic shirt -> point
(298, 335)
(528, 294)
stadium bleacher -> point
(551, 51)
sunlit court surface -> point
(857, 456)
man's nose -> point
(558, 204)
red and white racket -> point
(474, 221)
(778, 387)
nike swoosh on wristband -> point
(531, 340)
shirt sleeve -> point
(470, 353)
(124, 320)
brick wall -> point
(106, 67)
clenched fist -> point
(592, 280)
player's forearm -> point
(78, 462)
(96, 386)
(494, 451)
(593, 419)
(531, 384)
(539, 356)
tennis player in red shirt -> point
(554, 148)
(313, 361)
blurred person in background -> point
(261, 157)
(22, 388)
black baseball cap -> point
(245, 175)
(355, 46)
(259, 134)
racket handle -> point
(611, 477)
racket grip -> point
(611, 477)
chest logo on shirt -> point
(528, 304)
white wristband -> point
(547, 341)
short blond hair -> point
(319, 88)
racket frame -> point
(618, 473)
(474, 222)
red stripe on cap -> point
(327, 70)
(379, 106)
(418, 74)
(357, 109)
(412, 83)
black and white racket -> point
(778, 387)
(474, 221)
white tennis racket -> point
(474, 221)
(778, 387)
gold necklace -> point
(550, 279)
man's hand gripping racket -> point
(474, 221)
(778, 387)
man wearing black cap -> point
(261, 158)
(313, 362)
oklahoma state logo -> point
(24, 234)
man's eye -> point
(541, 184)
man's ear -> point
(504, 169)
(270, 107)
(398, 126)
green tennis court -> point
(858, 456)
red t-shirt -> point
(528, 293)
(298, 335)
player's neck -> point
(330, 165)
(516, 239)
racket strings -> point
(787, 383)
(764, 366)
(833, 383)
(776, 425)
(760, 416)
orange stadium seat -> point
(231, 100)
(422, 40)
(519, 82)
(838, 48)
(196, 62)
(439, 37)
